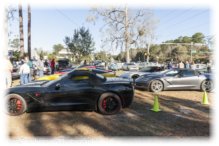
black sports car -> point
(175, 79)
(76, 90)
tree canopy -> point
(57, 48)
(81, 44)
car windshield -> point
(172, 73)
(151, 69)
(45, 84)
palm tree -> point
(21, 30)
(29, 31)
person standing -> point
(24, 72)
(85, 62)
(169, 65)
(181, 65)
(187, 65)
(52, 65)
(40, 67)
(7, 70)
(30, 64)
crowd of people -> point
(29, 69)
(181, 64)
(186, 65)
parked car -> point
(200, 67)
(175, 79)
(15, 72)
(62, 64)
(113, 67)
(146, 70)
(105, 73)
(130, 66)
(147, 64)
(76, 90)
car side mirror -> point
(58, 86)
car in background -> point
(200, 67)
(146, 70)
(175, 79)
(15, 72)
(113, 67)
(147, 64)
(130, 66)
(62, 64)
(64, 71)
(76, 90)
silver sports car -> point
(143, 71)
(175, 79)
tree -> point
(21, 30)
(15, 43)
(198, 38)
(57, 48)
(180, 53)
(124, 28)
(29, 31)
(102, 55)
(81, 44)
(186, 39)
(40, 52)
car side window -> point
(188, 73)
(80, 78)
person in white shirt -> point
(24, 72)
(40, 66)
(181, 65)
(7, 70)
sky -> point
(50, 25)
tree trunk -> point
(126, 35)
(29, 31)
(21, 31)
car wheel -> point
(109, 103)
(156, 86)
(15, 104)
(207, 85)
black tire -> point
(207, 85)
(156, 86)
(15, 104)
(109, 104)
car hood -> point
(27, 87)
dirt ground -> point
(181, 115)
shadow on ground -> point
(178, 118)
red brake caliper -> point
(19, 104)
(104, 103)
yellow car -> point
(97, 71)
